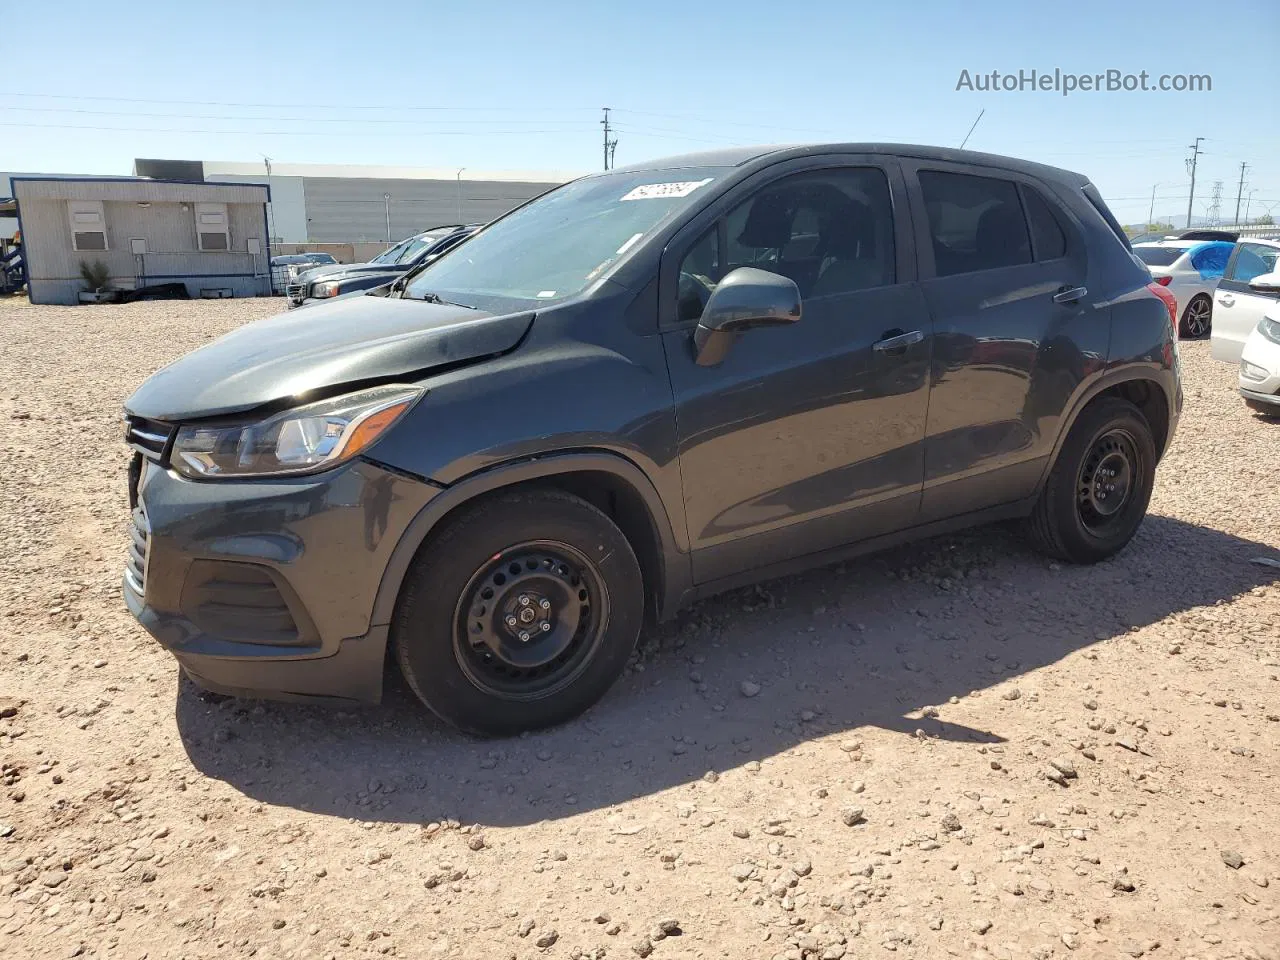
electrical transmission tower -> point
(1215, 204)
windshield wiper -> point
(436, 298)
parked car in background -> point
(1260, 362)
(286, 267)
(644, 387)
(324, 283)
(1247, 290)
(1190, 270)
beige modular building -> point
(210, 237)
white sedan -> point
(1260, 364)
(1189, 269)
(1248, 289)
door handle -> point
(1226, 299)
(897, 342)
(1070, 295)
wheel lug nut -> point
(544, 604)
(523, 600)
(524, 636)
(511, 620)
(545, 626)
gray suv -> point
(639, 389)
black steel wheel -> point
(1197, 319)
(529, 619)
(1108, 476)
(519, 613)
(1097, 492)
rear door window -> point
(975, 223)
(1048, 242)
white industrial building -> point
(210, 237)
(339, 203)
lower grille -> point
(294, 291)
(135, 567)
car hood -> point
(338, 270)
(307, 351)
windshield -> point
(553, 247)
(393, 255)
(1158, 256)
(415, 245)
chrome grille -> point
(295, 291)
(148, 437)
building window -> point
(88, 225)
(212, 229)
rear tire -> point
(1098, 490)
(1197, 319)
(520, 614)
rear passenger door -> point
(1238, 308)
(1005, 273)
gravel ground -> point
(954, 749)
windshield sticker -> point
(546, 294)
(665, 191)
(627, 246)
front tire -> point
(1098, 490)
(520, 614)
(1197, 319)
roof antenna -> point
(971, 129)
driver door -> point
(809, 436)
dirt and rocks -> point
(953, 749)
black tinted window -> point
(1047, 238)
(1158, 256)
(699, 274)
(976, 222)
(831, 231)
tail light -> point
(1170, 302)
(1164, 281)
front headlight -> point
(325, 288)
(302, 440)
(1270, 329)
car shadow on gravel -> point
(869, 643)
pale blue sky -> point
(493, 84)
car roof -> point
(745, 156)
(1265, 241)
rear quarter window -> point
(1095, 199)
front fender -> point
(677, 573)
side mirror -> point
(1266, 283)
(746, 298)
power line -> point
(283, 133)
(227, 103)
(220, 116)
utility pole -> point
(1191, 167)
(1151, 212)
(609, 145)
(1248, 202)
(271, 213)
(1240, 190)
